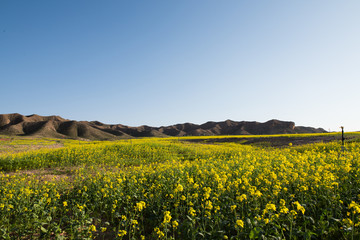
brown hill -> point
(57, 127)
(230, 127)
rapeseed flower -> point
(239, 223)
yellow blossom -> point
(167, 217)
(140, 206)
(122, 233)
(159, 232)
(240, 223)
(192, 212)
(175, 224)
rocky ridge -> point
(58, 127)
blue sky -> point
(165, 62)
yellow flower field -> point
(168, 189)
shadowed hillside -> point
(57, 127)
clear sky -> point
(159, 63)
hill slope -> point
(57, 127)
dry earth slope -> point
(57, 127)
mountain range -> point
(58, 127)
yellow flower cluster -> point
(299, 207)
(167, 217)
(140, 206)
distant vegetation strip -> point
(299, 135)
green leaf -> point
(254, 233)
(43, 229)
(335, 219)
(60, 237)
(201, 234)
